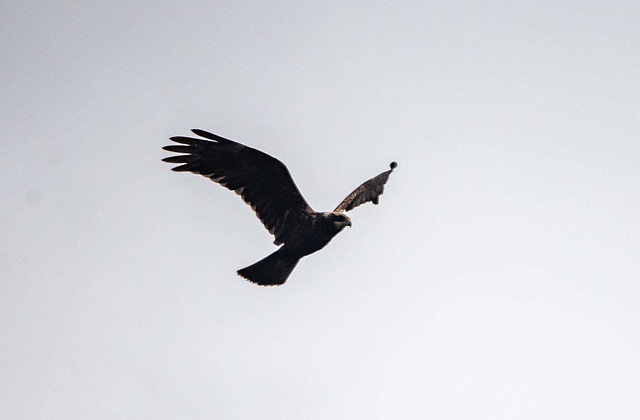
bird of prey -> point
(265, 184)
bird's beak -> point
(349, 223)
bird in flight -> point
(266, 185)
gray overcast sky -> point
(497, 279)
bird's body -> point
(312, 234)
(315, 232)
(265, 184)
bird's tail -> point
(272, 270)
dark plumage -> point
(266, 185)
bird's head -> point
(340, 220)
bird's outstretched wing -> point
(368, 191)
(262, 181)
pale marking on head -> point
(343, 223)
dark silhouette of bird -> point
(266, 185)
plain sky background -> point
(497, 279)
